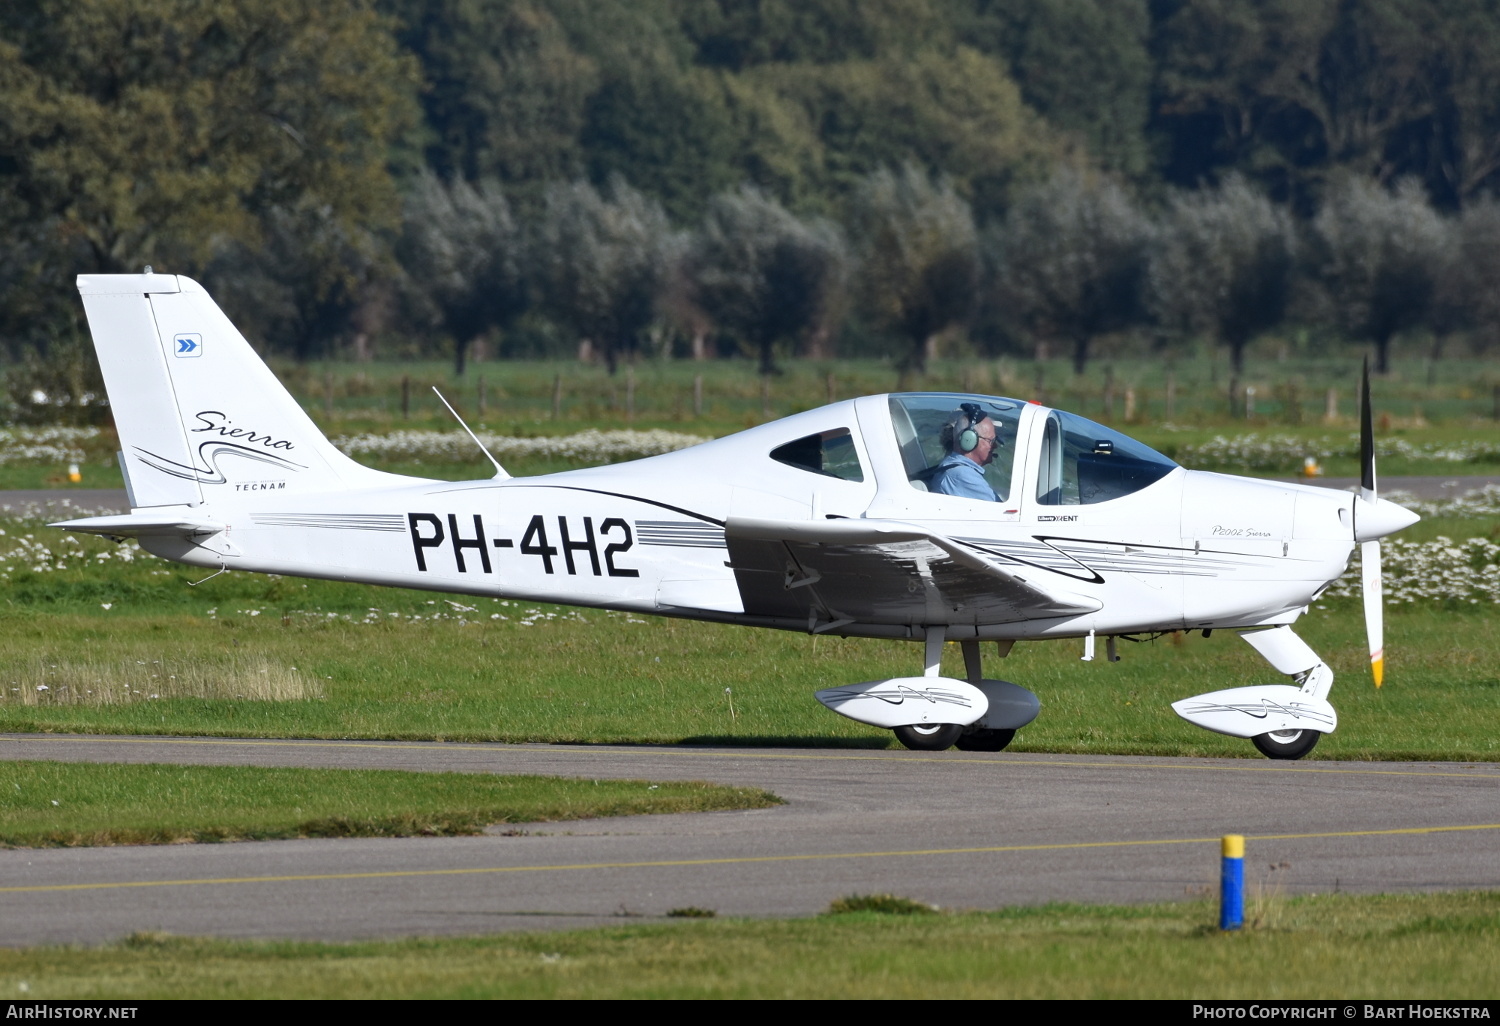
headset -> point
(961, 429)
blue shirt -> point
(959, 475)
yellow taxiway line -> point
(733, 860)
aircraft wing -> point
(882, 571)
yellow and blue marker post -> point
(1232, 883)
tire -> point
(985, 741)
(1286, 744)
(929, 737)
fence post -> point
(697, 395)
(1171, 396)
(1293, 402)
(405, 396)
(556, 396)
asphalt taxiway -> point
(956, 829)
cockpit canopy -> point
(919, 418)
(1080, 462)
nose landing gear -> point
(1286, 744)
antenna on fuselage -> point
(500, 473)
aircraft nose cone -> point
(1377, 519)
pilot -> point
(969, 437)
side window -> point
(830, 453)
(918, 419)
(1084, 463)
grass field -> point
(1332, 947)
(51, 804)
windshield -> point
(1084, 463)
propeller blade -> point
(1369, 552)
(1369, 555)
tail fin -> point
(200, 415)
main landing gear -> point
(933, 713)
(983, 741)
(992, 731)
(929, 737)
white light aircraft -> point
(822, 522)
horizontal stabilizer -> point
(137, 525)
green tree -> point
(296, 287)
(1070, 258)
(1287, 91)
(761, 274)
(507, 89)
(150, 130)
(776, 145)
(665, 126)
(159, 132)
(1470, 286)
(1221, 264)
(737, 35)
(1083, 65)
(1460, 147)
(1235, 87)
(917, 271)
(1377, 254)
(951, 113)
(463, 253)
(602, 261)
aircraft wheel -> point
(1286, 744)
(985, 741)
(929, 737)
